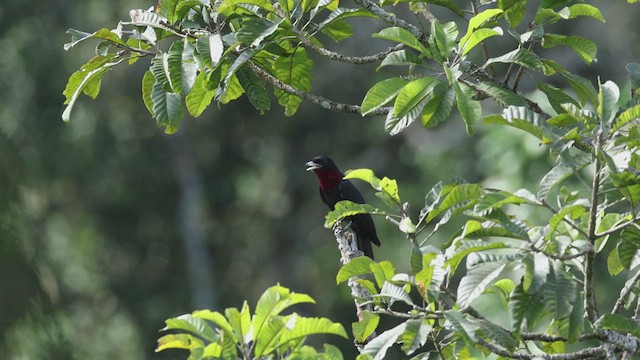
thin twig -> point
(625, 292)
(356, 60)
(390, 18)
(591, 312)
(314, 99)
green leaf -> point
(365, 327)
(180, 67)
(346, 208)
(572, 211)
(356, 267)
(228, 6)
(514, 11)
(255, 89)
(87, 80)
(298, 327)
(628, 246)
(449, 4)
(400, 57)
(402, 36)
(178, 341)
(467, 247)
(190, 324)
(199, 97)
(579, 10)
(522, 118)
(461, 194)
(222, 93)
(147, 85)
(633, 70)
(415, 335)
(439, 106)
(167, 108)
(583, 88)
(618, 323)
(394, 124)
(556, 97)
(412, 94)
(218, 319)
(614, 265)
(559, 292)
(585, 48)
(294, 70)
(443, 38)
(478, 21)
(522, 57)
(626, 117)
(500, 94)
(470, 109)
(338, 30)
(377, 348)
(463, 327)
(254, 30)
(209, 50)
(381, 93)
(495, 200)
(477, 37)
(393, 293)
(273, 301)
(552, 179)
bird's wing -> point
(348, 191)
(324, 198)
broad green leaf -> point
(500, 94)
(402, 36)
(344, 13)
(218, 319)
(477, 37)
(614, 265)
(628, 246)
(524, 119)
(633, 70)
(393, 293)
(463, 327)
(579, 10)
(346, 208)
(199, 97)
(522, 57)
(254, 30)
(618, 323)
(190, 324)
(559, 292)
(254, 88)
(356, 267)
(294, 70)
(572, 211)
(626, 117)
(298, 327)
(88, 77)
(461, 194)
(495, 200)
(413, 94)
(514, 11)
(381, 93)
(467, 247)
(585, 48)
(394, 124)
(496, 334)
(167, 108)
(228, 6)
(443, 38)
(338, 30)
(439, 106)
(583, 88)
(556, 96)
(147, 85)
(273, 301)
(470, 109)
(364, 328)
(414, 335)
(552, 179)
(180, 67)
(518, 305)
(478, 21)
(229, 77)
(377, 348)
(401, 57)
(449, 4)
(366, 175)
(178, 341)
(240, 322)
(209, 50)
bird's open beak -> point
(312, 166)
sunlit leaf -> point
(402, 36)
(381, 93)
(356, 267)
(346, 208)
(365, 327)
(377, 348)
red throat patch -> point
(328, 178)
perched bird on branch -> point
(334, 188)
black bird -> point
(333, 189)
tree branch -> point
(626, 290)
(594, 352)
(356, 60)
(315, 99)
(391, 19)
(591, 312)
(347, 244)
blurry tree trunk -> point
(190, 214)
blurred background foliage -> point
(106, 222)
